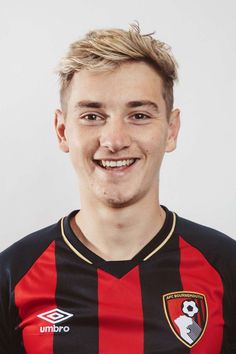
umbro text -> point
(54, 329)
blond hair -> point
(107, 49)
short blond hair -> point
(105, 50)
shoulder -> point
(217, 248)
(204, 236)
(36, 240)
(18, 258)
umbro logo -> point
(54, 316)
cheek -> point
(82, 150)
(155, 146)
(76, 140)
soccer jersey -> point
(177, 295)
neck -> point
(118, 233)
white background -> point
(38, 185)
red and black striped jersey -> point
(177, 295)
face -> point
(117, 132)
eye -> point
(91, 116)
(140, 117)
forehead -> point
(128, 82)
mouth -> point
(115, 165)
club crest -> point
(187, 315)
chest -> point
(170, 304)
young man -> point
(123, 275)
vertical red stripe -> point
(34, 294)
(198, 275)
(120, 313)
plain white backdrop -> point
(38, 184)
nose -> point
(115, 135)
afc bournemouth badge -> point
(186, 313)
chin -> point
(116, 204)
(116, 200)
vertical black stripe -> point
(199, 304)
(76, 293)
(14, 340)
(159, 276)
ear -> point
(59, 123)
(173, 130)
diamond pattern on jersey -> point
(55, 316)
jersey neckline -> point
(121, 267)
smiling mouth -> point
(115, 164)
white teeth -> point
(119, 163)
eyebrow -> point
(134, 104)
(131, 104)
(89, 104)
